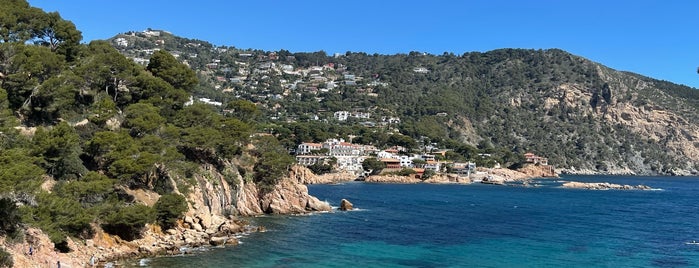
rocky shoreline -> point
(205, 225)
(625, 172)
(216, 217)
(603, 186)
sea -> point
(476, 225)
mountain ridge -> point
(513, 99)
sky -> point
(659, 39)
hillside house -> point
(428, 157)
(406, 161)
(384, 154)
(433, 165)
(535, 159)
(361, 115)
(463, 168)
(350, 163)
(391, 120)
(341, 115)
(421, 70)
(122, 42)
(309, 160)
(151, 33)
(391, 163)
(308, 148)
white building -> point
(341, 115)
(362, 115)
(122, 42)
(406, 161)
(421, 70)
(350, 163)
(308, 147)
(384, 154)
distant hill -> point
(579, 113)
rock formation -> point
(603, 186)
(392, 179)
(346, 205)
(305, 176)
(291, 197)
(448, 178)
(216, 198)
(538, 170)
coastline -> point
(217, 215)
(196, 231)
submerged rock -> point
(223, 240)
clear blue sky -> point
(659, 38)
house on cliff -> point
(535, 159)
(541, 164)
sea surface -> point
(477, 225)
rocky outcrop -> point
(392, 179)
(538, 170)
(336, 177)
(448, 178)
(109, 248)
(217, 197)
(211, 201)
(611, 171)
(305, 176)
(291, 197)
(603, 186)
(346, 205)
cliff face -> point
(305, 176)
(220, 194)
(625, 105)
(216, 197)
(538, 171)
(212, 198)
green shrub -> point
(374, 165)
(320, 168)
(59, 217)
(406, 172)
(428, 174)
(9, 217)
(169, 208)
(5, 258)
(128, 222)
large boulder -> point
(290, 197)
(316, 205)
(346, 205)
(222, 241)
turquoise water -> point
(422, 225)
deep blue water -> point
(423, 225)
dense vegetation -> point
(501, 103)
(80, 123)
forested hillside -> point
(81, 126)
(505, 102)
